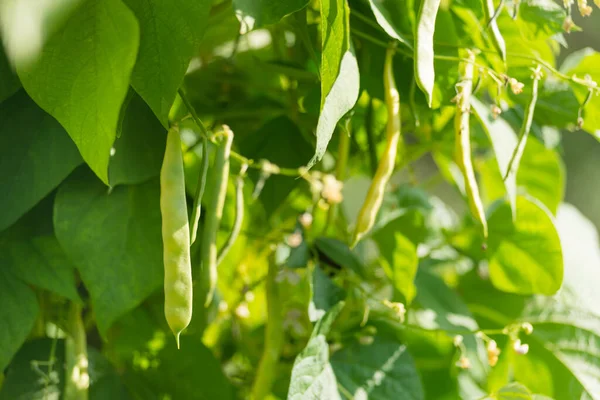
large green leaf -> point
(40, 261)
(379, 371)
(394, 17)
(256, 13)
(34, 375)
(340, 255)
(192, 374)
(18, 313)
(439, 307)
(541, 174)
(114, 239)
(139, 151)
(312, 374)
(581, 63)
(515, 391)
(424, 67)
(170, 33)
(525, 256)
(340, 80)
(82, 77)
(36, 154)
(563, 361)
(26, 25)
(325, 294)
(9, 82)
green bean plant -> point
(321, 199)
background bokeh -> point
(581, 149)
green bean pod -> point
(463, 143)
(239, 216)
(197, 210)
(370, 208)
(497, 38)
(176, 237)
(209, 252)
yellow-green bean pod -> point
(176, 237)
(385, 168)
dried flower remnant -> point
(493, 352)
(516, 86)
(464, 363)
(584, 9)
(398, 308)
(496, 111)
(568, 24)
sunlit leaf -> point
(525, 255)
(340, 79)
(82, 76)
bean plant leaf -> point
(515, 391)
(191, 374)
(392, 17)
(400, 255)
(20, 370)
(525, 256)
(504, 142)
(341, 255)
(26, 25)
(18, 313)
(29, 366)
(567, 325)
(40, 261)
(88, 220)
(379, 371)
(82, 76)
(340, 80)
(170, 33)
(325, 294)
(424, 63)
(541, 175)
(254, 14)
(9, 81)
(437, 306)
(139, 150)
(582, 63)
(30, 141)
(312, 374)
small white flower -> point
(306, 220)
(458, 340)
(294, 240)
(527, 328)
(521, 348)
(242, 311)
(332, 189)
(516, 86)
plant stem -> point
(267, 368)
(543, 63)
(293, 172)
(77, 378)
(340, 171)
